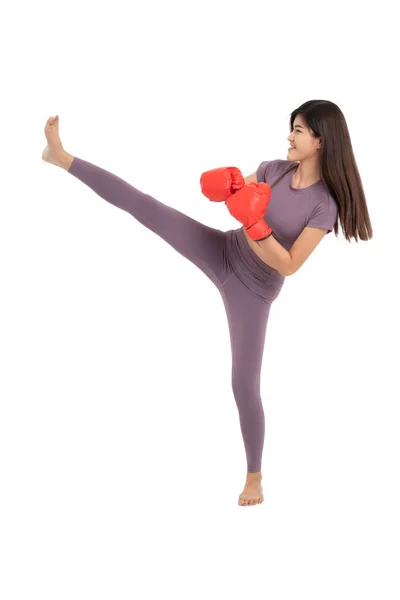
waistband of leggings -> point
(254, 258)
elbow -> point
(288, 267)
(287, 270)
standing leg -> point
(247, 319)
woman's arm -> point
(251, 178)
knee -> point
(246, 390)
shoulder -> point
(323, 209)
(320, 196)
(268, 170)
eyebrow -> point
(298, 126)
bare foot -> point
(253, 492)
(54, 152)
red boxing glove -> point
(248, 206)
(219, 184)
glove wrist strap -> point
(259, 231)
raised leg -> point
(200, 244)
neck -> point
(307, 173)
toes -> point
(250, 501)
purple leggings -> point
(247, 285)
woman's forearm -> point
(275, 255)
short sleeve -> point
(264, 170)
(324, 215)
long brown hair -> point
(338, 166)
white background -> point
(121, 456)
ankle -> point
(253, 476)
(66, 160)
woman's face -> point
(305, 145)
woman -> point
(316, 186)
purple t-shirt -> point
(290, 209)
